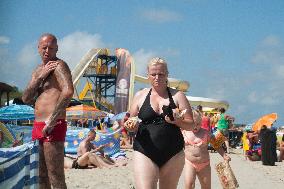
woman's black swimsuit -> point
(156, 138)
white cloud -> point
(161, 16)
(28, 55)
(141, 59)
(279, 70)
(75, 45)
(270, 51)
(171, 52)
(4, 40)
(266, 97)
(267, 57)
(271, 40)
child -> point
(197, 161)
(246, 145)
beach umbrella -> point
(267, 120)
(83, 112)
(16, 112)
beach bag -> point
(217, 140)
(226, 175)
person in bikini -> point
(158, 146)
(50, 91)
(197, 161)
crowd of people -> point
(263, 145)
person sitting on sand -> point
(82, 162)
(89, 154)
(197, 161)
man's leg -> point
(43, 174)
(54, 158)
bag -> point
(226, 175)
(217, 140)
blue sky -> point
(229, 50)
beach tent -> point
(207, 102)
(16, 112)
(83, 112)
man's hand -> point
(49, 126)
(47, 68)
(103, 146)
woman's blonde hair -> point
(157, 60)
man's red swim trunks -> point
(57, 134)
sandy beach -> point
(249, 175)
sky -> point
(227, 50)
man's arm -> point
(64, 78)
(31, 91)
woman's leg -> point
(171, 171)
(189, 175)
(204, 177)
(146, 172)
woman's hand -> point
(131, 124)
(178, 116)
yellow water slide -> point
(172, 82)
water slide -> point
(174, 83)
(85, 62)
(181, 85)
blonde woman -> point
(158, 145)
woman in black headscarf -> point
(268, 146)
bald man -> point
(50, 91)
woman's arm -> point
(132, 124)
(134, 108)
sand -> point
(249, 175)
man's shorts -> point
(57, 134)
